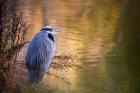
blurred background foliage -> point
(12, 34)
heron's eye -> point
(51, 37)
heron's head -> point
(49, 30)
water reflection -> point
(89, 31)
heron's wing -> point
(40, 53)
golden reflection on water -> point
(89, 27)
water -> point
(91, 32)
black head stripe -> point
(51, 37)
(46, 29)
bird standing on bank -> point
(40, 53)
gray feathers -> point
(39, 56)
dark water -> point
(102, 33)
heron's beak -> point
(56, 31)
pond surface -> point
(91, 32)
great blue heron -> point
(40, 53)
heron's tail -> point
(35, 76)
